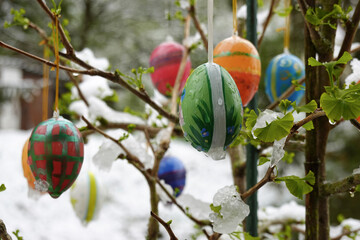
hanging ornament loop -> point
(235, 31)
(55, 35)
(210, 30)
(287, 28)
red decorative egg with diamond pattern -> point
(55, 155)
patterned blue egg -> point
(281, 71)
(173, 172)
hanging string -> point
(235, 32)
(57, 62)
(210, 30)
(45, 92)
(287, 28)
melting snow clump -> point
(232, 211)
(265, 117)
(278, 151)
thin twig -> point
(3, 233)
(269, 176)
(146, 132)
(129, 155)
(286, 94)
(355, 123)
(173, 200)
(266, 23)
(165, 225)
(316, 114)
(51, 64)
(345, 232)
(351, 28)
(192, 13)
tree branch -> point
(129, 155)
(267, 21)
(345, 232)
(3, 233)
(286, 94)
(192, 13)
(269, 176)
(173, 200)
(165, 225)
(351, 28)
(345, 185)
(316, 114)
(355, 123)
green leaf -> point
(340, 218)
(311, 17)
(215, 209)
(131, 127)
(313, 62)
(250, 119)
(308, 108)
(308, 126)
(283, 12)
(263, 160)
(16, 233)
(288, 157)
(298, 186)
(344, 59)
(276, 130)
(169, 222)
(357, 188)
(113, 98)
(249, 237)
(284, 105)
(340, 105)
(2, 188)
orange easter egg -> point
(241, 59)
(26, 168)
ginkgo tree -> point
(327, 101)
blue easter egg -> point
(173, 172)
(281, 71)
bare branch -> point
(192, 13)
(345, 232)
(267, 21)
(286, 94)
(343, 186)
(129, 155)
(165, 225)
(316, 114)
(351, 28)
(269, 176)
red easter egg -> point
(166, 60)
(55, 156)
(241, 59)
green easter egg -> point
(210, 110)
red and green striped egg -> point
(55, 155)
(210, 110)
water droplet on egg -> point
(220, 101)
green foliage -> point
(238, 235)
(263, 160)
(169, 222)
(2, 188)
(215, 209)
(131, 127)
(332, 67)
(56, 8)
(336, 102)
(308, 108)
(308, 126)
(339, 103)
(297, 85)
(298, 186)
(340, 218)
(143, 115)
(136, 79)
(124, 137)
(284, 12)
(18, 19)
(284, 105)
(16, 233)
(319, 16)
(250, 118)
(113, 98)
(284, 234)
(276, 130)
(288, 157)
